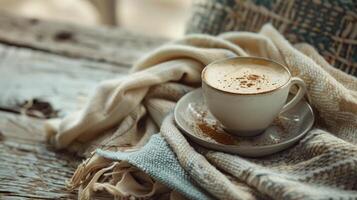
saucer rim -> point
(236, 147)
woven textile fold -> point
(124, 115)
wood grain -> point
(60, 64)
(63, 82)
(112, 45)
(29, 167)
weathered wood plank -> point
(29, 168)
(60, 64)
(64, 82)
(96, 43)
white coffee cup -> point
(249, 114)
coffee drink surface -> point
(245, 94)
(247, 78)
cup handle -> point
(298, 96)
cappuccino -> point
(246, 94)
(245, 78)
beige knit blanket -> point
(125, 112)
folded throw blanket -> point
(124, 115)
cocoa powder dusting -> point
(249, 80)
(218, 136)
(253, 77)
(246, 81)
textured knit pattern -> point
(328, 25)
(125, 113)
(157, 160)
(321, 166)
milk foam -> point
(245, 78)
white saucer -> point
(192, 115)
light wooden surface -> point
(59, 64)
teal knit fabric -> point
(157, 159)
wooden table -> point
(59, 64)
